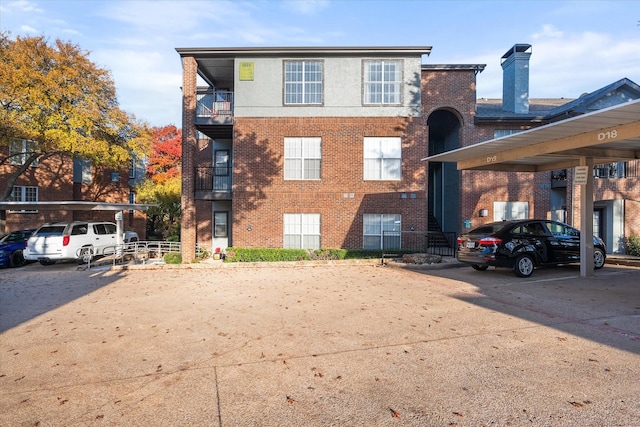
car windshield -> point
(50, 230)
(12, 237)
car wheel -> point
(479, 267)
(16, 259)
(524, 266)
(85, 256)
(46, 262)
(598, 258)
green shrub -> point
(633, 245)
(173, 258)
(277, 254)
(173, 238)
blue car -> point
(11, 247)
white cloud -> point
(305, 7)
(28, 29)
(21, 6)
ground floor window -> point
(503, 211)
(382, 231)
(220, 221)
(302, 231)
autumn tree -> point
(53, 96)
(166, 154)
(162, 186)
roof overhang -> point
(607, 135)
(75, 206)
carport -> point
(80, 206)
(603, 136)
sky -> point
(577, 46)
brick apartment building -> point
(61, 178)
(322, 148)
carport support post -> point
(119, 229)
(586, 221)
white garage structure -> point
(603, 136)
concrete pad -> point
(318, 345)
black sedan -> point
(524, 245)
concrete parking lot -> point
(295, 345)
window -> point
(82, 171)
(220, 220)
(24, 194)
(499, 133)
(382, 159)
(302, 158)
(382, 82)
(381, 231)
(115, 177)
(503, 211)
(20, 150)
(132, 168)
(302, 231)
(610, 170)
(303, 82)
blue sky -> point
(578, 46)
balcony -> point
(213, 183)
(214, 107)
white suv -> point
(65, 241)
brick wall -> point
(189, 144)
(261, 196)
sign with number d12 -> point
(467, 223)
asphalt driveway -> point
(343, 345)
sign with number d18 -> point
(467, 223)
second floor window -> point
(382, 82)
(20, 150)
(22, 193)
(302, 158)
(303, 82)
(383, 159)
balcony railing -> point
(212, 104)
(213, 179)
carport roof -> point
(608, 135)
(74, 206)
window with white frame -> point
(381, 231)
(20, 150)
(382, 82)
(503, 211)
(383, 159)
(302, 231)
(499, 133)
(303, 82)
(302, 158)
(22, 193)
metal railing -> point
(440, 243)
(136, 252)
(212, 178)
(211, 104)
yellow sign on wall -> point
(246, 71)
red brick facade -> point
(261, 196)
(54, 179)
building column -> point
(189, 142)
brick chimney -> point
(515, 79)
